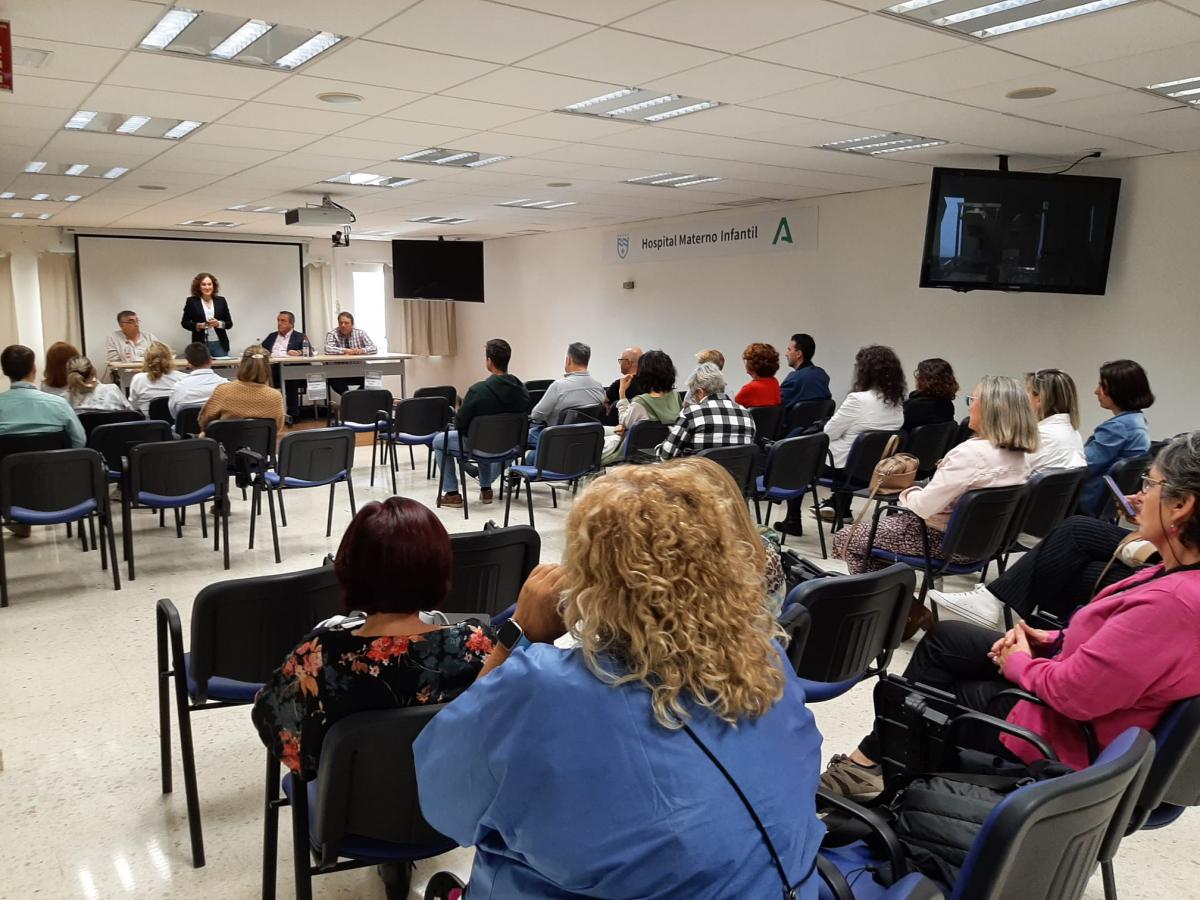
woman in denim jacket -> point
(1124, 390)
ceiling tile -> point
(351, 19)
(16, 115)
(477, 29)
(104, 23)
(302, 90)
(30, 90)
(71, 62)
(1067, 85)
(860, 44)
(1095, 112)
(952, 70)
(251, 138)
(566, 127)
(536, 90)
(586, 10)
(193, 76)
(351, 148)
(291, 118)
(203, 158)
(616, 56)
(509, 144)
(1171, 129)
(167, 104)
(735, 79)
(440, 110)
(734, 27)
(832, 100)
(1137, 28)
(399, 132)
(1141, 69)
(91, 146)
(367, 62)
(734, 121)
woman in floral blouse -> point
(394, 560)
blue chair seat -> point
(52, 516)
(858, 866)
(530, 473)
(486, 457)
(401, 438)
(1163, 816)
(819, 691)
(775, 493)
(918, 562)
(220, 688)
(169, 501)
(354, 846)
(359, 426)
(273, 479)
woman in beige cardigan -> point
(250, 396)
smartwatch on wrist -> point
(510, 636)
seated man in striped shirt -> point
(346, 340)
(712, 419)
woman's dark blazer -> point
(193, 315)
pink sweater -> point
(972, 464)
(1128, 656)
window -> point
(369, 304)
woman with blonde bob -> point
(588, 769)
(157, 378)
(250, 396)
(1005, 431)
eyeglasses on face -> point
(1148, 482)
(970, 400)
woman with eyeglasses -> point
(1123, 390)
(1056, 405)
(1125, 659)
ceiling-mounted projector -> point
(328, 213)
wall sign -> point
(778, 230)
(6, 57)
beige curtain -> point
(320, 311)
(8, 310)
(60, 301)
(429, 328)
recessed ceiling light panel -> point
(83, 170)
(205, 223)
(1185, 90)
(672, 179)
(882, 144)
(226, 38)
(439, 220)
(440, 156)
(986, 20)
(370, 179)
(639, 105)
(530, 203)
(125, 123)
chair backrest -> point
(421, 416)
(317, 454)
(806, 412)
(29, 443)
(964, 432)
(538, 384)
(576, 414)
(793, 463)
(1175, 776)
(570, 449)
(51, 480)
(248, 434)
(93, 419)
(857, 621)
(176, 468)
(188, 421)
(160, 409)
(1051, 496)
(113, 441)
(929, 443)
(864, 453)
(367, 781)
(797, 622)
(979, 525)
(1128, 472)
(737, 460)
(767, 421)
(490, 567)
(244, 628)
(1045, 840)
(446, 391)
(362, 406)
(645, 435)
(535, 395)
(498, 434)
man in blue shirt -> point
(806, 381)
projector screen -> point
(153, 277)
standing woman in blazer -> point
(206, 315)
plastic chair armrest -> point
(873, 820)
(1089, 733)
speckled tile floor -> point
(81, 813)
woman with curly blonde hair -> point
(157, 378)
(762, 362)
(589, 771)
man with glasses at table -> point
(128, 343)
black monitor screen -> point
(438, 270)
(1019, 231)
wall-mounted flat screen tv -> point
(1019, 231)
(438, 270)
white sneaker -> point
(980, 606)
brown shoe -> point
(919, 619)
(485, 495)
(453, 500)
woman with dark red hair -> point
(394, 561)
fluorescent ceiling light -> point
(35, 166)
(696, 181)
(681, 111)
(1171, 84)
(306, 51)
(558, 205)
(985, 20)
(648, 177)
(80, 119)
(907, 148)
(980, 11)
(168, 28)
(204, 223)
(439, 220)
(16, 215)
(44, 216)
(884, 142)
(487, 161)
(186, 127)
(7, 195)
(410, 156)
(453, 158)
(115, 172)
(603, 98)
(40, 197)
(671, 179)
(1047, 18)
(370, 179)
(440, 156)
(132, 124)
(76, 169)
(241, 39)
(528, 203)
(71, 198)
(644, 104)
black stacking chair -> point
(1127, 473)
(565, 454)
(445, 391)
(497, 439)
(768, 420)
(929, 443)
(413, 422)
(51, 487)
(793, 465)
(581, 414)
(1051, 495)
(807, 412)
(362, 808)
(359, 411)
(738, 460)
(538, 384)
(865, 452)
(964, 432)
(187, 423)
(160, 409)
(238, 435)
(93, 419)
(535, 395)
(307, 459)
(796, 621)
(113, 442)
(241, 632)
(644, 435)
(33, 442)
(176, 475)
(490, 566)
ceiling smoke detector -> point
(1031, 93)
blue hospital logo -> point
(622, 245)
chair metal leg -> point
(529, 501)
(282, 511)
(224, 527)
(820, 527)
(127, 533)
(204, 521)
(178, 523)
(4, 573)
(350, 490)
(162, 518)
(91, 530)
(300, 851)
(1110, 880)
(507, 503)
(164, 704)
(106, 524)
(329, 517)
(374, 449)
(758, 511)
(392, 457)
(274, 530)
(462, 484)
(412, 460)
(553, 497)
(255, 499)
(270, 828)
(183, 714)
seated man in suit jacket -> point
(286, 341)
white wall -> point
(860, 286)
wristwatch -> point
(510, 636)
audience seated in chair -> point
(806, 381)
(54, 378)
(393, 562)
(575, 390)
(498, 393)
(712, 355)
(1123, 390)
(249, 396)
(26, 410)
(1126, 658)
(196, 386)
(157, 378)
(712, 419)
(85, 392)
(657, 401)
(1056, 407)
(762, 362)
(627, 382)
(933, 400)
(505, 766)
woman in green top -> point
(658, 403)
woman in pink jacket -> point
(1126, 658)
